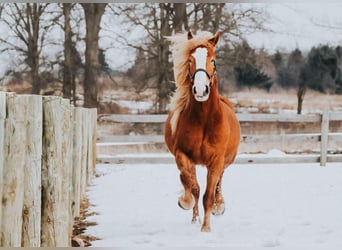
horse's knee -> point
(195, 191)
(208, 200)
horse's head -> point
(202, 68)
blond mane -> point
(181, 50)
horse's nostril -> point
(206, 89)
(194, 90)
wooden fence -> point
(324, 137)
(47, 158)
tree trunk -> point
(300, 96)
(163, 58)
(67, 71)
(93, 13)
(33, 12)
(180, 19)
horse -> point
(201, 127)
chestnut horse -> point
(201, 127)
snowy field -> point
(297, 206)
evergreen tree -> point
(249, 76)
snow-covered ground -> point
(297, 206)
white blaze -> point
(200, 81)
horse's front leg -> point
(219, 206)
(214, 174)
(189, 199)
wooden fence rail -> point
(324, 137)
(47, 158)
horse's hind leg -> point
(219, 206)
(187, 175)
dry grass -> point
(285, 100)
(81, 224)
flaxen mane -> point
(181, 50)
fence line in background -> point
(42, 168)
(323, 137)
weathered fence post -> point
(94, 136)
(84, 151)
(91, 140)
(31, 211)
(67, 165)
(324, 136)
(77, 158)
(47, 157)
(55, 233)
(87, 144)
(13, 171)
(2, 134)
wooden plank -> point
(107, 140)
(124, 139)
(145, 159)
(134, 118)
(240, 159)
(336, 137)
(13, 171)
(334, 158)
(32, 176)
(313, 137)
(2, 135)
(324, 136)
(288, 159)
(335, 116)
(278, 118)
(161, 118)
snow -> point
(136, 107)
(288, 206)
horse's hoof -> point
(196, 219)
(186, 205)
(205, 229)
(218, 209)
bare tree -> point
(163, 19)
(93, 13)
(25, 22)
(156, 20)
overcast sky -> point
(300, 25)
(295, 25)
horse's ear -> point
(190, 35)
(215, 39)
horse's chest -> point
(197, 143)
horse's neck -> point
(204, 110)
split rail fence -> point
(47, 159)
(323, 137)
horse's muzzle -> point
(201, 93)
